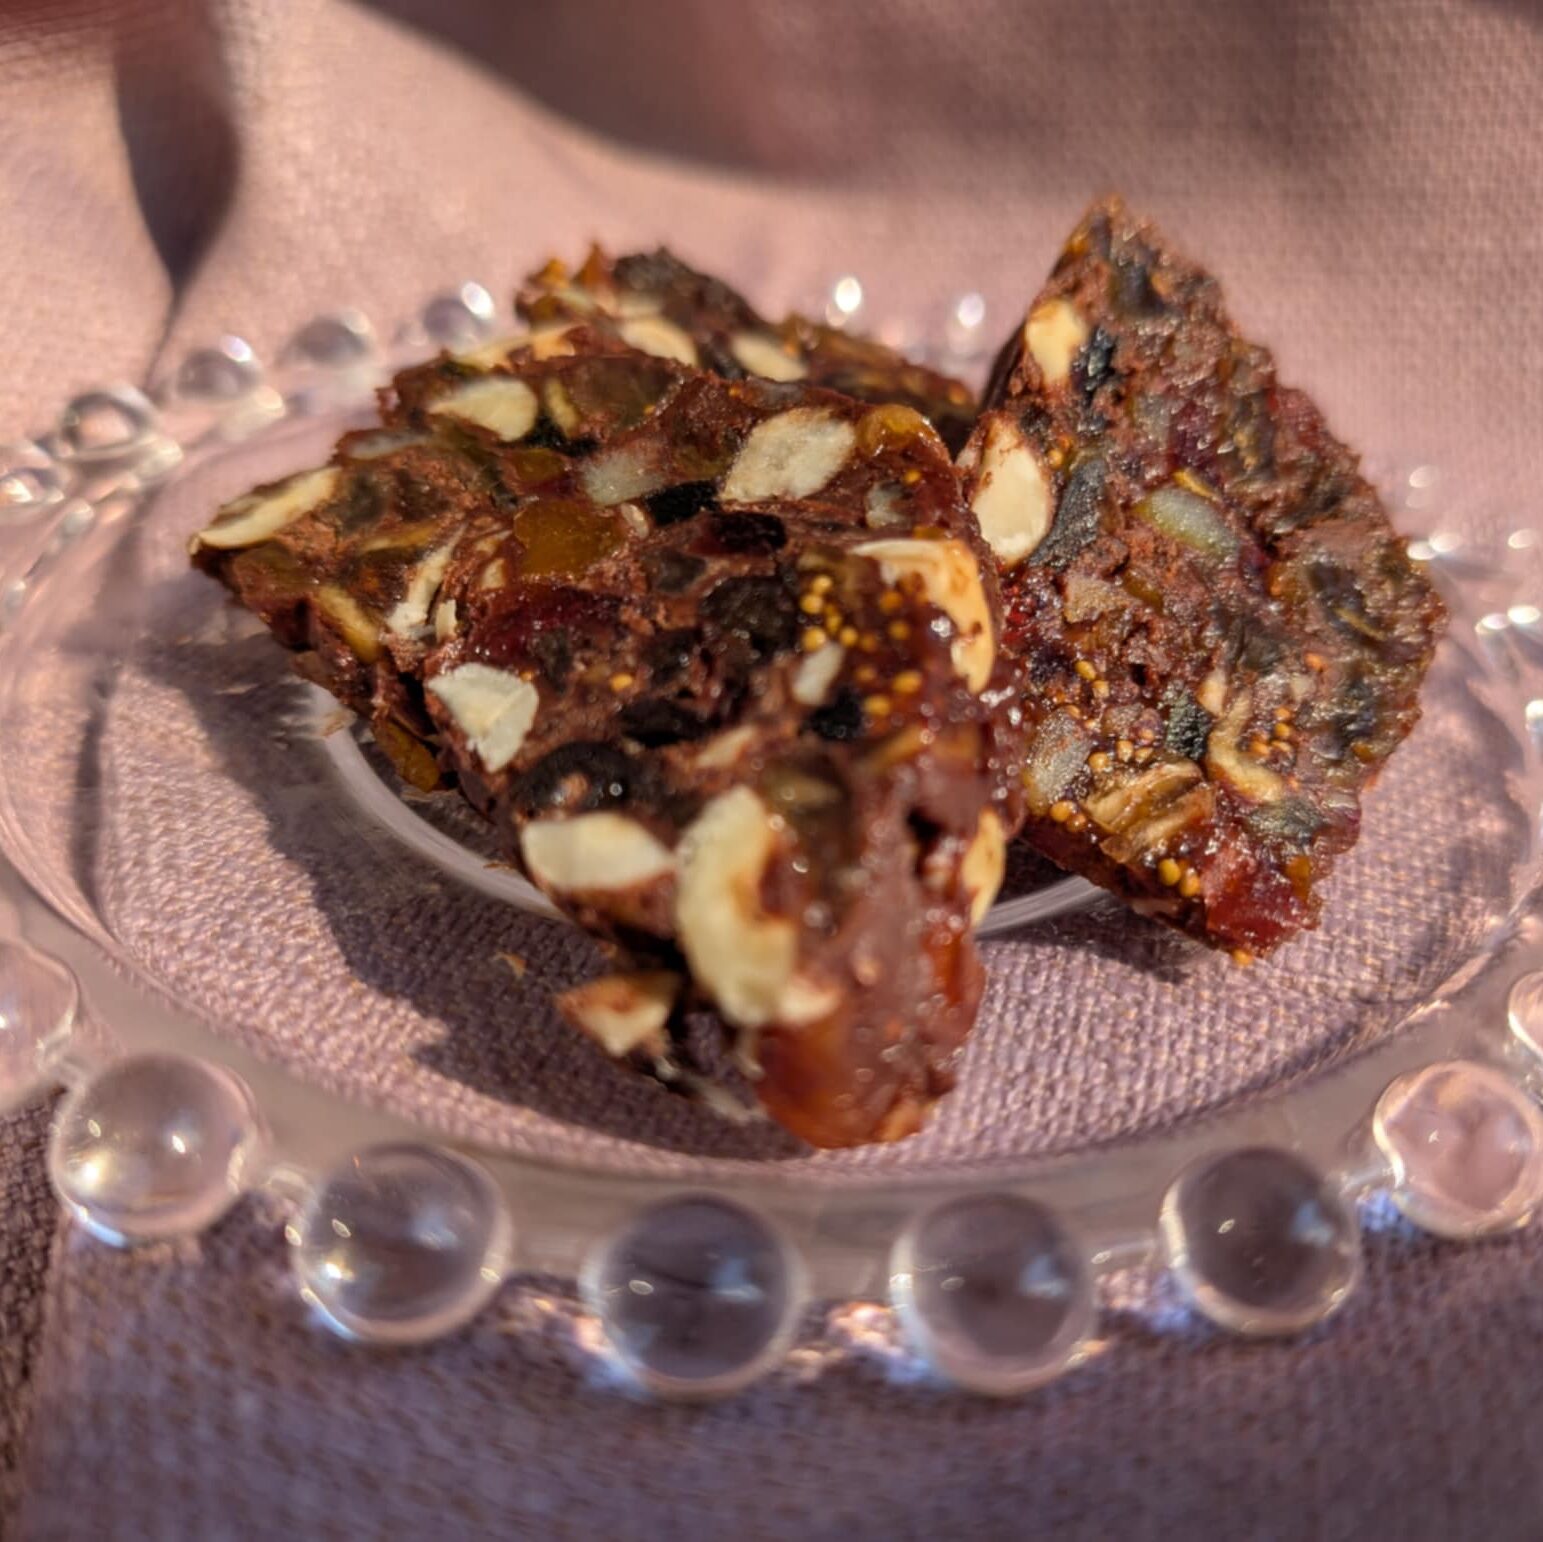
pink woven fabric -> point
(1366, 178)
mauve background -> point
(1368, 179)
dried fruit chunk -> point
(949, 575)
(1225, 636)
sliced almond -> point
(950, 578)
(493, 708)
(551, 343)
(446, 621)
(559, 407)
(495, 351)
(498, 403)
(655, 335)
(761, 354)
(624, 1013)
(792, 455)
(816, 674)
(1053, 334)
(1012, 499)
(722, 750)
(256, 517)
(350, 618)
(622, 472)
(411, 613)
(743, 957)
(594, 853)
(984, 866)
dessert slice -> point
(656, 303)
(1223, 638)
(718, 659)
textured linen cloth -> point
(1365, 178)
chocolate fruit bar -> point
(1222, 636)
(719, 661)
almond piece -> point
(593, 853)
(761, 354)
(410, 616)
(498, 403)
(1053, 334)
(624, 1013)
(740, 955)
(252, 519)
(984, 865)
(792, 455)
(816, 674)
(1012, 497)
(493, 708)
(663, 339)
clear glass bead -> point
(154, 1146)
(1466, 1147)
(459, 319)
(401, 1244)
(1259, 1241)
(1525, 1007)
(38, 1002)
(338, 340)
(698, 1296)
(109, 423)
(29, 481)
(221, 373)
(993, 1291)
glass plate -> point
(222, 865)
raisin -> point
(668, 655)
(657, 721)
(685, 500)
(841, 718)
(553, 653)
(745, 534)
(672, 572)
(762, 611)
(580, 777)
